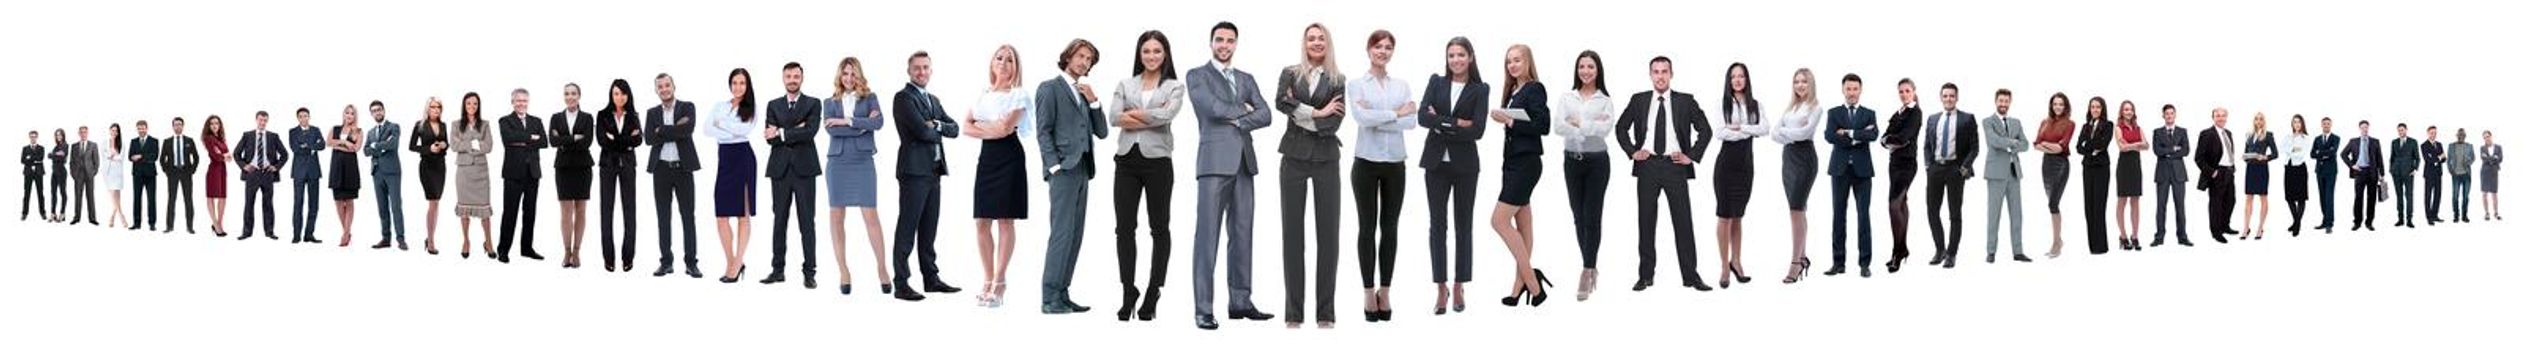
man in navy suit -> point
(923, 125)
(304, 142)
(2326, 171)
(1230, 106)
(1072, 118)
(1849, 129)
(2364, 159)
(795, 118)
(144, 178)
(671, 162)
(259, 156)
(2405, 177)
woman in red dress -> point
(214, 136)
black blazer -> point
(522, 139)
(663, 130)
(2095, 143)
(1322, 143)
(1690, 133)
(424, 134)
(619, 141)
(33, 158)
(182, 156)
(1450, 147)
(2326, 154)
(923, 125)
(2404, 157)
(2363, 149)
(1902, 136)
(2209, 154)
(144, 161)
(572, 140)
(793, 152)
(1524, 139)
(255, 146)
(1966, 145)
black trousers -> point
(1944, 209)
(1379, 187)
(2220, 203)
(304, 199)
(179, 187)
(609, 186)
(2295, 196)
(1846, 189)
(144, 201)
(33, 192)
(515, 194)
(2435, 195)
(2369, 193)
(2406, 199)
(1137, 175)
(1299, 181)
(1677, 197)
(258, 191)
(916, 227)
(2097, 200)
(61, 197)
(2327, 179)
(1589, 175)
(798, 194)
(1904, 171)
(674, 199)
(1455, 188)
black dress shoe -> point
(1697, 286)
(1642, 285)
(531, 255)
(1063, 307)
(906, 294)
(664, 270)
(1836, 270)
(1205, 322)
(690, 271)
(776, 277)
(940, 288)
(809, 282)
(2022, 258)
(1865, 272)
(1256, 315)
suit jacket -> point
(2367, 150)
(144, 161)
(1902, 135)
(1849, 156)
(923, 126)
(2404, 157)
(2326, 154)
(83, 160)
(2005, 140)
(793, 151)
(1524, 138)
(1069, 127)
(857, 140)
(1966, 143)
(1313, 139)
(1450, 147)
(181, 158)
(1230, 106)
(620, 141)
(523, 139)
(2210, 156)
(2094, 141)
(304, 144)
(2431, 157)
(32, 156)
(382, 148)
(674, 132)
(260, 146)
(571, 135)
(2171, 143)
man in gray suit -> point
(1230, 106)
(83, 178)
(383, 147)
(2171, 143)
(2005, 138)
(1071, 120)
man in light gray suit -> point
(2005, 138)
(1230, 106)
(1071, 120)
(385, 149)
(83, 178)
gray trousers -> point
(1068, 230)
(1294, 176)
(2006, 195)
(1227, 201)
(390, 208)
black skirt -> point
(2132, 174)
(1796, 162)
(2054, 170)
(2296, 189)
(573, 183)
(1520, 176)
(999, 181)
(2256, 178)
(1734, 178)
(433, 177)
(345, 180)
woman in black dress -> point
(345, 173)
(1521, 170)
(2094, 143)
(574, 171)
(2262, 147)
(2133, 147)
(429, 140)
(1734, 171)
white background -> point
(97, 62)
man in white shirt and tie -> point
(260, 154)
(1953, 140)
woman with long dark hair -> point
(214, 138)
(2052, 142)
(2296, 152)
(733, 123)
(2094, 143)
(1585, 118)
(1455, 110)
(1383, 110)
(473, 168)
(1742, 123)
(2133, 146)
(1148, 100)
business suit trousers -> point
(1677, 197)
(2006, 195)
(1944, 209)
(304, 198)
(1068, 233)
(1226, 203)
(1450, 189)
(515, 194)
(390, 208)
(2435, 196)
(619, 186)
(2327, 178)
(258, 192)
(2461, 198)
(1136, 175)
(2221, 203)
(916, 227)
(33, 192)
(83, 190)
(1589, 175)
(1294, 177)
(793, 197)
(2098, 204)
(674, 200)
(2170, 199)
(2405, 200)
(2369, 193)
(1379, 188)
(1846, 189)
(144, 202)
(61, 197)
(2295, 196)
(179, 187)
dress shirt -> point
(2296, 149)
(727, 129)
(1371, 99)
(1797, 124)
(670, 150)
(1739, 116)
(1585, 121)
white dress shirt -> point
(1796, 124)
(1748, 123)
(2297, 149)
(726, 128)
(1584, 121)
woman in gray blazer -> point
(1148, 101)
(852, 118)
(473, 174)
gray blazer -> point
(1068, 128)
(1313, 139)
(1155, 139)
(381, 147)
(2005, 139)
(856, 141)
(1228, 115)
(2171, 144)
(83, 160)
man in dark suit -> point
(384, 149)
(32, 156)
(2364, 158)
(144, 178)
(2170, 143)
(521, 168)
(259, 155)
(671, 162)
(2216, 154)
(2431, 154)
(923, 125)
(2326, 171)
(2404, 177)
(1230, 106)
(1072, 119)
(1953, 143)
(304, 143)
(83, 169)
(1849, 129)
(795, 119)
(181, 159)
(1664, 132)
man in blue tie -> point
(1953, 143)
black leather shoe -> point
(1205, 322)
(1697, 286)
(906, 294)
(1642, 285)
(776, 277)
(1865, 272)
(940, 288)
(1836, 270)
(2022, 258)
(1256, 315)
(531, 255)
(1063, 307)
(693, 272)
(809, 281)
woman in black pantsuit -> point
(429, 140)
(2056, 131)
(2094, 143)
(1734, 171)
(1521, 170)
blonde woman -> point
(852, 118)
(1312, 93)
(999, 193)
(1521, 170)
(2257, 152)
(1797, 163)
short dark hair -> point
(916, 55)
(1851, 78)
(262, 113)
(1660, 59)
(662, 76)
(2404, 125)
(1228, 26)
(2005, 93)
(2430, 128)
(376, 104)
(1074, 46)
(1949, 86)
(179, 120)
(1380, 35)
(302, 110)
(2361, 122)
(2168, 107)
(792, 65)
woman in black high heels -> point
(1734, 171)
(1513, 217)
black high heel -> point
(1545, 292)
(1739, 277)
(740, 274)
(1513, 299)
(1802, 266)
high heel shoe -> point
(1541, 294)
(1797, 270)
(1147, 304)
(1441, 300)
(1739, 277)
(1585, 285)
(740, 274)
(1514, 299)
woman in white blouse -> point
(1797, 163)
(111, 176)
(2296, 150)
(733, 123)
(1585, 118)
(1742, 123)
(1383, 110)
(999, 195)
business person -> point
(2216, 159)
(259, 155)
(1521, 170)
(1072, 119)
(671, 161)
(1741, 123)
(1953, 140)
(32, 157)
(1852, 171)
(83, 167)
(429, 141)
(2491, 159)
(522, 139)
(792, 124)
(1311, 95)
(214, 135)
(2364, 159)
(617, 167)
(1455, 109)
(305, 141)
(145, 154)
(60, 155)
(2005, 139)
(1384, 111)
(1901, 137)
(2326, 152)
(851, 118)
(473, 147)
(114, 174)
(1664, 162)
(2052, 141)
(2128, 211)
(1147, 102)
(346, 142)
(918, 166)
(2172, 142)
(573, 170)
(2458, 158)
(180, 160)
(732, 125)
(998, 118)
(2258, 149)
(2095, 142)
(2296, 153)
(1585, 119)
(388, 171)
(1230, 106)
(2431, 155)
(1794, 133)
(2404, 170)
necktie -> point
(1660, 125)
